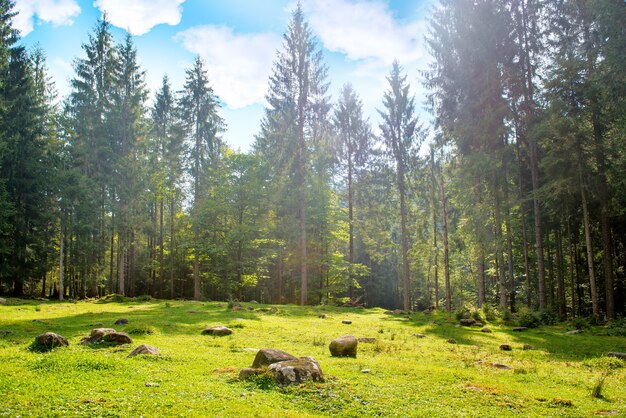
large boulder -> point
(121, 321)
(144, 350)
(296, 371)
(344, 346)
(107, 335)
(467, 322)
(266, 356)
(617, 355)
(220, 330)
(49, 340)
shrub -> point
(142, 330)
(490, 312)
(617, 328)
(548, 317)
(144, 298)
(528, 319)
(477, 315)
(463, 312)
(579, 323)
(507, 317)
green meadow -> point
(397, 375)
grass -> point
(397, 375)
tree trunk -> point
(351, 225)
(446, 264)
(171, 248)
(304, 280)
(435, 250)
(61, 255)
(161, 290)
(499, 251)
(572, 262)
(406, 286)
(560, 274)
(592, 276)
(196, 263)
(534, 168)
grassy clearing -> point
(398, 375)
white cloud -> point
(239, 64)
(57, 12)
(364, 30)
(139, 16)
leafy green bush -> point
(579, 323)
(548, 317)
(477, 315)
(617, 328)
(142, 330)
(490, 312)
(528, 319)
(463, 312)
(144, 298)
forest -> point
(514, 197)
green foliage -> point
(617, 327)
(141, 330)
(528, 319)
(579, 323)
(548, 317)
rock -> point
(501, 366)
(250, 308)
(106, 335)
(366, 371)
(451, 341)
(247, 372)
(219, 331)
(344, 346)
(3, 301)
(520, 329)
(467, 322)
(254, 301)
(505, 347)
(50, 340)
(419, 335)
(296, 371)
(478, 324)
(617, 355)
(322, 316)
(367, 340)
(346, 321)
(152, 385)
(267, 356)
(527, 347)
(237, 308)
(144, 349)
(575, 331)
(235, 304)
(457, 326)
(485, 329)
(398, 311)
(121, 321)
(388, 312)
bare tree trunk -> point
(61, 255)
(560, 274)
(446, 261)
(534, 168)
(435, 250)
(304, 280)
(161, 290)
(592, 276)
(172, 248)
(196, 264)
(572, 262)
(351, 225)
(499, 250)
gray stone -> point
(467, 322)
(219, 331)
(121, 321)
(617, 355)
(520, 329)
(266, 356)
(50, 340)
(418, 335)
(322, 316)
(296, 371)
(152, 385)
(237, 308)
(344, 346)
(575, 331)
(346, 321)
(505, 347)
(485, 329)
(451, 341)
(144, 349)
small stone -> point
(505, 347)
(297, 371)
(121, 321)
(237, 308)
(366, 371)
(419, 335)
(457, 326)
(322, 316)
(152, 385)
(451, 341)
(219, 331)
(106, 335)
(266, 356)
(346, 321)
(574, 332)
(144, 349)
(520, 329)
(250, 308)
(247, 372)
(501, 366)
(485, 329)
(344, 346)
(527, 347)
(478, 324)
(617, 355)
(388, 312)
(467, 322)
(367, 340)
(50, 340)
(254, 301)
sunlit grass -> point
(397, 375)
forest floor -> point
(397, 375)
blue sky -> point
(238, 40)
